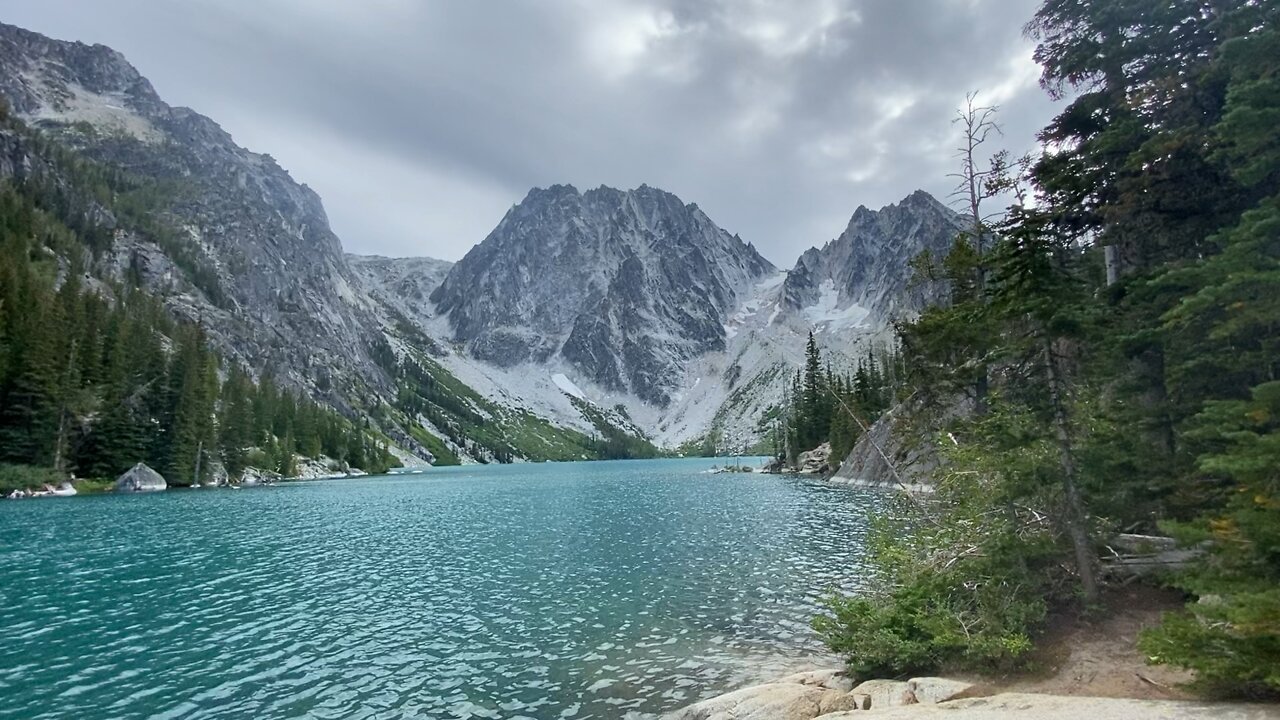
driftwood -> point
(1131, 556)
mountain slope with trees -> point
(96, 375)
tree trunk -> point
(1076, 519)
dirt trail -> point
(1099, 657)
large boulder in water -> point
(140, 478)
(816, 461)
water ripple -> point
(555, 591)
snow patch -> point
(563, 382)
(826, 314)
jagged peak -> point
(644, 190)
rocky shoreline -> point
(827, 693)
(833, 695)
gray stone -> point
(140, 478)
(831, 679)
(836, 701)
(816, 461)
(886, 693)
(933, 690)
(772, 701)
(890, 455)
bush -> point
(968, 575)
(976, 614)
(27, 477)
(1233, 644)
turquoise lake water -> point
(578, 590)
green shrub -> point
(967, 576)
(26, 477)
(974, 614)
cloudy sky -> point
(421, 122)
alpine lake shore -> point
(1084, 666)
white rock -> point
(932, 690)
(886, 693)
(772, 701)
(831, 679)
(140, 478)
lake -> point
(567, 590)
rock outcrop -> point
(816, 461)
(885, 457)
(830, 695)
(140, 478)
(820, 693)
(626, 286)
(893, 455)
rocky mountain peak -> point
(869, 263)
(44, 74)
(622, 285)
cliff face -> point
(254, 261)
(624, 286)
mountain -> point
(868, 265)
(604, 314)
(236, 244)
(625, 286)
(224, 238)
(692, 333)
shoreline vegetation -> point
(1105, 363)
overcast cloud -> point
(420, 123)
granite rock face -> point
(254, 261)
(822, 694)
(626, 286)
(869, 264)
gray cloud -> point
(421, 123)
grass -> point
(434, 445)
(95, 486)
(27, 477)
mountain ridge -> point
(634, 295)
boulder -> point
(140, 478)
(252, 477)
(217, 475)
(933, 690)
(886, 693)
(837, 701)
(831, 679)
(816, 461)
(772, 701)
